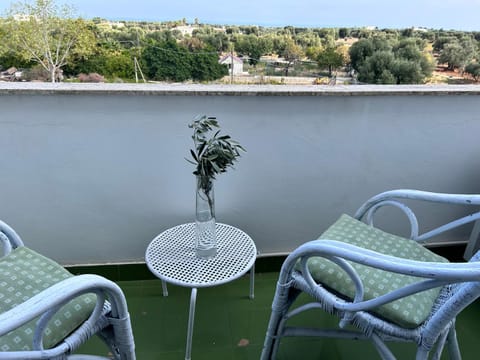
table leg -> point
(164, 288)
(191, 317)
(252, 281)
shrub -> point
(36, 73)
(474, 70)
(92, 78)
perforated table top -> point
(171, 256)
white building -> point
(185, 29)
(234, 63)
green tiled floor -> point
(228, 325)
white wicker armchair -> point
(388, 287)
(47, 313)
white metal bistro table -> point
(171, 257)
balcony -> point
(92, 173)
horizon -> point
(404, 14)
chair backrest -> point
(395, 198)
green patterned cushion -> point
(23, 274)
(409, 312)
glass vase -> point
(205, 237)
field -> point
(442, 75)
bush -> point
(474, 70)
(36, 73)
(91, 78)
(169, 61)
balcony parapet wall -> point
(90, 173)
(235, 90)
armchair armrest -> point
(61, 293)
(434, 273)
(413, 289)
(49, 301)
(9, 239)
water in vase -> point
(206, 242)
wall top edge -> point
(233, 90)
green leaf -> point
(214, 153)
(215, 166)
(193, 155)
(201, 149)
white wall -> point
(92, 176)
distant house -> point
(420, 29)
(234, 63)
(185, 29)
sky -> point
(435, 14)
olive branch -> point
(213, 154)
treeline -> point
(176, 51)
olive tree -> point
(169, 61)
(380, 61)
(292, 53)
(48, 34)
(254, 47)
(166, 61)
(474, 70)
(330, 58)
(458, 53)
(3, 34)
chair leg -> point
(108, 338)
(382, 348)
(422, 354)
(446, 337)
(452, 343)
(278, 337)
(283, 299)
(440, 345)
(270, 337)
(119, 339)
